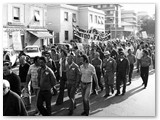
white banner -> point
(144, 34)
(93, 36)
(16, 37)
(80, 46)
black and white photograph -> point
(79, 59)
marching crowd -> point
(75, 70)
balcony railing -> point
(110, 15)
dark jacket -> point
(13, 105)
(123, 66)
(15, 82)
(23, 70)
(73, 74)
(46, 79)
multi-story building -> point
(112, 18)
(129, 22)
(90, 18)
(25, 24)
(60, 18)
(129, 16)
(13, 20)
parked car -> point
(10, 54)
(32, 51)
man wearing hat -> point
(109, 67)
(122, 72)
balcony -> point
(109, 22)
(110, 15)
(129, 16)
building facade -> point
(60, 18)
(129, 22)
(112, 18)
(90, 18)
(25, 24)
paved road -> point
(136, 102)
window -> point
(16, 13)
(111, 5)
(91, 18)
(36, 16)
(99, 6)
(95, 18)
(99, 20)
(107, 12)
(111, 12)
(66, 16)
(66, 35)
(74, 17)
(102, 20)
(104, 6)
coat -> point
(109, 67)
(13, 105)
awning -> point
(41, 34)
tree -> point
(148, 25)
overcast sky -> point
(149, 8)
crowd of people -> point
(74, 70)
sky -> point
(149, 8)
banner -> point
(144, 34)
(16, 37)
(89, 34)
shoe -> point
(94, 93)
(106, 95)
(117, 94)
(37, 113)
(101, 89)
(112, 90)
(123, 93)
(75, 106)
(70, 113)
(84, 113)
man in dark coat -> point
(122, 72)
(12, 102)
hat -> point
(121, 53)
(106, 53)
(7, 63)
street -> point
(136, 102)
